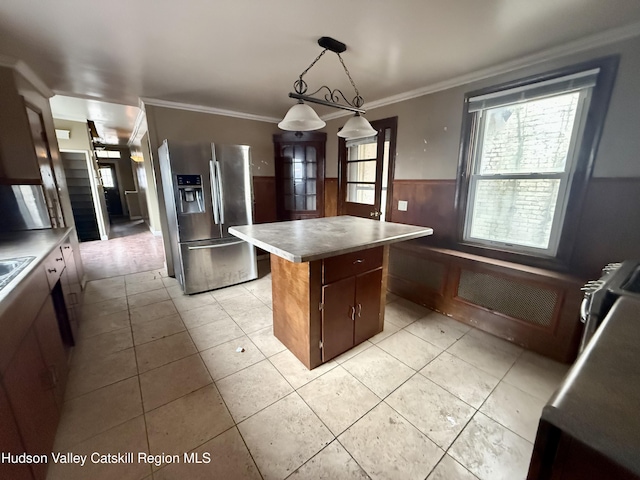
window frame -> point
(584, 154)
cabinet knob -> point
(358, 261)
(359, 310)
(59, 259)
(353, 313)
(51, 270)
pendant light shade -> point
(301, 118)
(357, 127)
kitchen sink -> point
(11, 267)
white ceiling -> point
(244, 55)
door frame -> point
(380, 125)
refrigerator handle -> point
(214, 193)
(220, 192)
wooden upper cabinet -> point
(299, 166)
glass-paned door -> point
(366, 167)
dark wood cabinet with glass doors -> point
(300, 158)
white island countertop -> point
(318, 238)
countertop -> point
(318, 238)
(599, 401)
(29, 243)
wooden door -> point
(368, 291)
(366, 172)
(338, 313)
(299, 169)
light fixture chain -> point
(313, 63)
(358, 101)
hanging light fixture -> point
(302, 118)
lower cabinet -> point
(10, 442)
(350, 312)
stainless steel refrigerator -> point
(207, 189)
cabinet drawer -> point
(53, 266)
(67, 251)
(351, 264)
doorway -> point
(366, 170)
(111, 189)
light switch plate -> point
(402, 205)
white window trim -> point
(565, 177)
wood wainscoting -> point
(532, 307)
(330, 197)
(264, 199)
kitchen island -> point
(329, 278)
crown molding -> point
(212, 110)
(139, 127)
(70, 118)
(587, 43)
(27, 73)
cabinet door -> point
(28, 387)
(337, 317)
(10, 441)
(53, 352)
(368, 290)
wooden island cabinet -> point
(329, 278)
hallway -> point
(132, 248)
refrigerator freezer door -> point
(233, 164)
(216, 264)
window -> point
(524, 146)
(106, 174)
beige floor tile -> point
(483, 355)
(147, 298)
(142, 277)
(403, 312)
(141, 287)
(409, 349)
(517, 410)
(94, 310)
(95, 285)
(203, 315)
(536, 375)
(154, 311)
(387, 330)
(170, 282)
(173, 380)
(186, 423)
(496, 342)
(255, 319)
(157, 329)
(449, 469)
(130, 436)
(378, 370)
(174, 290)
(465, 381)
(90, 327)
(188, 302)
(284, 436)
(490, 451)
(102, 345)
(229, 292)
(386, 446)
(435, 412)
(438, 329)
(102, 294)
(252, 389)
(295, 372)
(391, 297)
(332, 463)
(229, 459)
(240, 303)
(98, 411)
(94, 373)
(223, 360)
(166, 350)
(353, 352)
(338, 399)
(267, 343)
(215, 333)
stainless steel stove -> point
(617, 279)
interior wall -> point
(150, 190)
(185, 125)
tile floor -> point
(159, 372)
